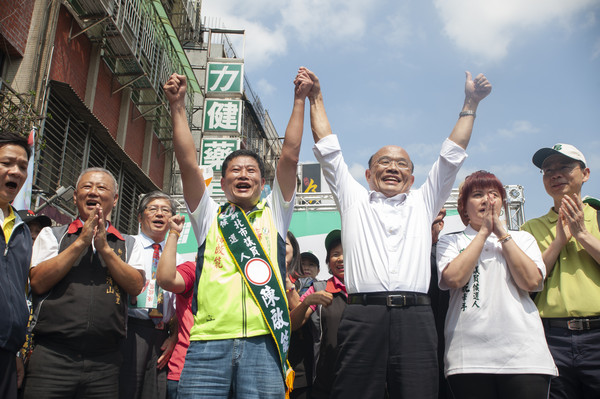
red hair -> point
(477, 180)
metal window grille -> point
(69, 145)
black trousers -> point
(577, 357)
(500, 386)
(139, 378)
(381, 346)
(8, 374)
(61, 374)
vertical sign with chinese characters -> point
(225, 77)
(222, 115)
(223, 107)
(214, 151)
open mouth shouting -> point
(243, 186)
(12, 185)
(159, 224)
(91, 203)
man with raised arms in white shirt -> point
(387, 334)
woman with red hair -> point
(495, 344)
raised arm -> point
(475, 91)
(319, 122)
(166, 272)
(126, 276)
(192, 178)
(290, 151)
(48, 273)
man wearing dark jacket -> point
(15, 244)
(80, 277)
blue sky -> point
(393, 73)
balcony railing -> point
(141, 49)
(185, 18)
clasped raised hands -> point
(491, 218)
(303, 83)
(94, 229)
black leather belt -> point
(575, 324)
(390, 299)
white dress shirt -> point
(387, 241)
(147, 252)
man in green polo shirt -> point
(569, 304)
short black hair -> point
(371, 160)
(12, 137)
(243, 153)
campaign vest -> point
(85, 312)
(223, 306)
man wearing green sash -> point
(240, 336)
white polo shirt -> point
(492, 325)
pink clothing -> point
(185, 318)
(334, 285)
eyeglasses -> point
(152, 210)
(563, 170)
(400, 163)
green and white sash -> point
(254, 265)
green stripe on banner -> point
(451, 212)
(309, 223)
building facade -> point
(88, 75)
